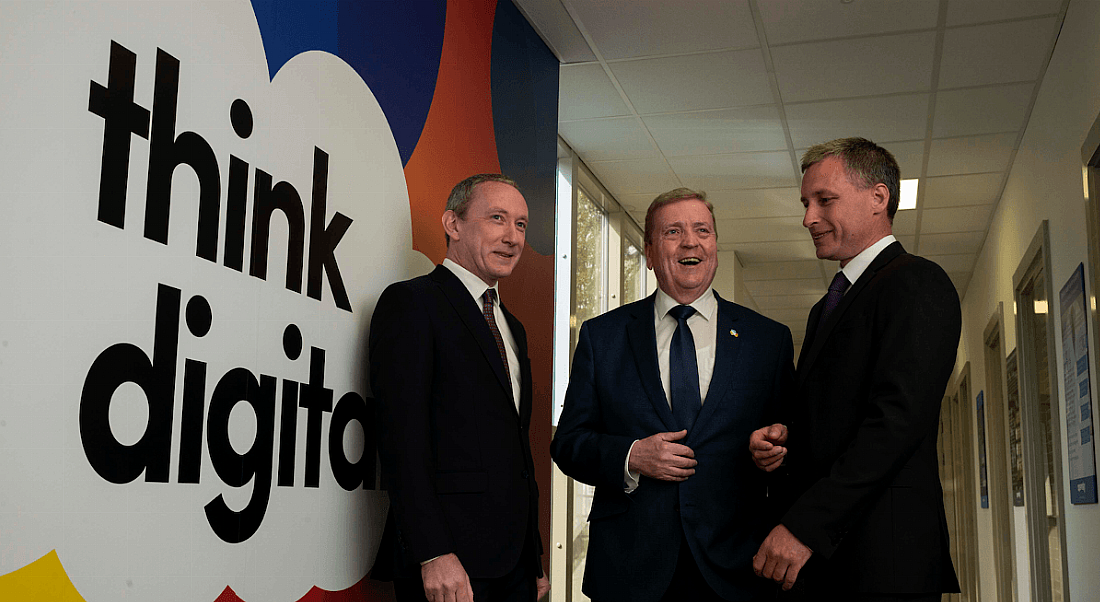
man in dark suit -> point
(662, 398)
(864, 504)
(449, 367)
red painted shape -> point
(364, 591)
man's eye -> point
(521, 225)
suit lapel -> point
(886, 256)
(466, 308)
(643, 344)
(727, 348)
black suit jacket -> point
(615, 397)
(865, 490)
(455, 453)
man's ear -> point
(450, 224)
(880, 200)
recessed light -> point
(908, 194)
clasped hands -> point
(782, 555)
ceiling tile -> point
(744, 170)
(909, 155)
(981, 110)
(585, 91)
(603, 139)
(960, 12)
(840, 69)
(973, 154)
(768, 288)
(738, 231)
(970, 189)
(908, 242)
(905, 223)
(795, 315)
(955, 262)
(955, 219)
(995, 54)
(636, 202)
(803, 20)
(751, 252)
(756, 202)
(768, 270)
(954, 242)
(555, 25)
(699, 81)
(879, 119)
(684, 26)
(961, 280)
(713, 132)
(642, 175)
(803, 302)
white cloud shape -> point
(75, 286)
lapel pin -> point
(734, 333)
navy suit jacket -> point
(865, 492)
(615, 397)
(455, 453)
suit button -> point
(525, 475)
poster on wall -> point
(983, 473)
(1075, 372)
(1015, 438)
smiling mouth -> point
(817, 236)
(691, 261)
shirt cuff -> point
(423, 562)
(630, 478)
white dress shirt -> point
(861, 262)
(477, 288)
(704, 330)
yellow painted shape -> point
(44, 579)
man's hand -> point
(781, 557)
(766, 445)
(657, 457)
(446, 581)
(542, 584)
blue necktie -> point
(832, 298)
(683, 369)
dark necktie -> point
(683, 369)
(832, 298)
(487, 302)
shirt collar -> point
(706, 305)
(859, 263)
(475, 285)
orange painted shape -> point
(458, 140)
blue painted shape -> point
(394, 46)
(289, 28)
(525, 117)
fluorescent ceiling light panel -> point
(908, 194)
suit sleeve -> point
(917, 322)
(401, 368)
(582, 447)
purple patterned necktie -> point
(832, 298)
(487, 302)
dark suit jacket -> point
(455, 454)
(866, 495)
(615, 397)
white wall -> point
(1045, 184)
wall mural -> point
(201, 204)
